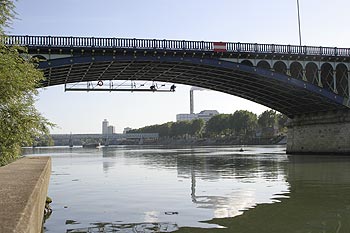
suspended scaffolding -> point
(121, 86)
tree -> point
(20, 122)
(180, 128)
(197, 126)
(243, 122)
(7, 14)
(218, 124)
(282, 122)
(267, 119)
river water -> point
(199, 189)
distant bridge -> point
(79, 139)
(298, 81)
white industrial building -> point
(205, 115)
(186, 117)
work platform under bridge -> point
(299, 81)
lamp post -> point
(299, 22)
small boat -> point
(92, 145)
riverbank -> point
(226, 141)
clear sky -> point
(324, 23)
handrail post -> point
(164, 44)
(134, 43)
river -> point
(199, 189)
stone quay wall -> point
(23, 191)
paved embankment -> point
(23, 190)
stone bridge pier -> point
(320, 133)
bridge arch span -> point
(311, 73)
(247, 63)
(327, 77)
(280, 67)
(342, 79)
(264, 65)
(40, 57)
(272, 89)
(296, 70)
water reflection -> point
(319, 201)
(124, 228)
(130, 189)
(213, 164)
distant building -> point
(111, 130)
(105, 127)
(126, 130)
(186, 117)
(205, 115)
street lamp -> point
(299, 22)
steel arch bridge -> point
(293, 80)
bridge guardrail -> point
(93, 42)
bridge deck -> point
(172, 45)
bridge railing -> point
(92, 42)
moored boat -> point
(92, 145)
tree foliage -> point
(174, 129)
(282, 121)
(243, 122)
(7, 14)
(218, 125)
(20, 122)
(267, 119)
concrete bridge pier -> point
(320, 133)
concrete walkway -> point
(23, 190)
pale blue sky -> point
(324, 23)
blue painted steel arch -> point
(278, 91)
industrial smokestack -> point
(191, 101)
(197, 89)
(191, 97)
